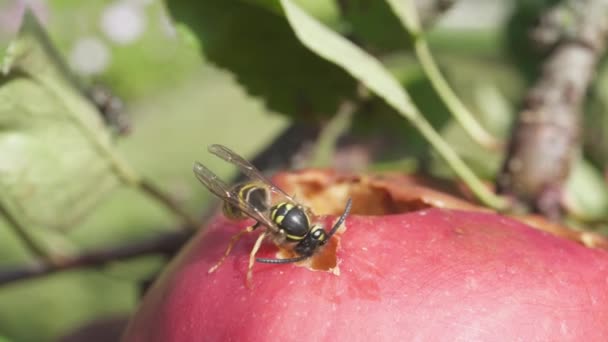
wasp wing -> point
(212, 182)
(247, 169)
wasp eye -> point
(318, 233)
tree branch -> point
(166, 244)
(545, 138)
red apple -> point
(432, 274)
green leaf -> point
(586, 192)
(257, 45)
(6, 59)
(4, 43)
(270, 5)
(371, 73)
(406, 11)
(375, 26)
(334, 48)
(596, 120)
(326, 11)
(56, 155)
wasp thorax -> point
(291, 219)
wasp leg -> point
(254, 251)
(236, 237)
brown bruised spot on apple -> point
(327, 192)
(395, 193)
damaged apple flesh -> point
(431, 275)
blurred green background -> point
(178, 106)
(179, 103)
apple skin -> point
(428, 275)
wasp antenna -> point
(341, 219)
(282, 261)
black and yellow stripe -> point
(252, 193)
(291, 219)
(279, 212)
(257, 196)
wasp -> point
(286, 222)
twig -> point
(166, 244)
(407, 13)
(326, 145)
(460, 112)
(545, 138)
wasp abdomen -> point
(292, 219)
